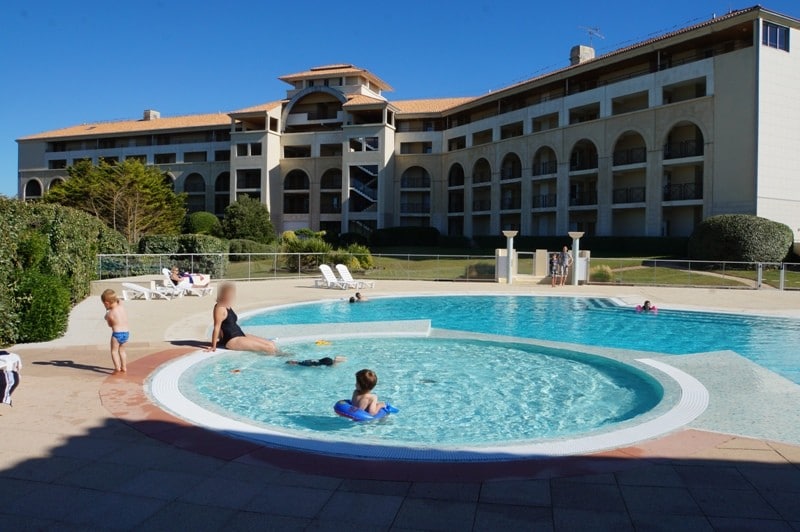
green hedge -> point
(741, 237)
(209, 253)
(240, 247)
(56, 242)
(202, 223)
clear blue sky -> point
(65, 63)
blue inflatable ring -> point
(346, 409)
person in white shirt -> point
(10, 365)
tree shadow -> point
(74, 365)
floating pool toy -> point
(322, 342)
(640, 308)
(346, 409)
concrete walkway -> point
(67, 463)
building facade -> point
(647, 140)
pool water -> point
(769, 341)
(450, 392)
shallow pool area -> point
(451, 392)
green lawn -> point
(671, 276)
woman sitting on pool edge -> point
(227, 332)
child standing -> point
(363, 397)
(117, 319)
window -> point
(57, 164)
(255, 149)
(164, 158)
(775, 36)
(194, 157)
(273, 124)
(241, 150)
(222, 155)
(141, 158)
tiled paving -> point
(67, 463)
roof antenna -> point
(592, 32)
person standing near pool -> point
(227, 332)
(565, 262)
(117, 319)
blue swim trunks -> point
(121, 337)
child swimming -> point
(363, 398)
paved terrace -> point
(68, 463)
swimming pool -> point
(769, 341)
(451, 392)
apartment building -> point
(647, 140)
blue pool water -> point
(769, 341)
(450, 392)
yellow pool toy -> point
(322, 342)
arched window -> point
(481, 171)
(630, 148)
(685, 139)
(33, 189)
(415, 177)
(331, 180)
(222, 193)
(511, 167)
(195, 187)
(583, 156)
(57, 182)
(545, 161)
(295, 193)
(455, 178)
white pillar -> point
(509, 254)
(576, 249)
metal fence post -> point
(759, 274)
(782, 278)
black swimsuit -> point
(229, 329)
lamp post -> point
(509, 253)
(576, 248)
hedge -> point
(405, 236)
(240, 249)
(55, 241)
(209, 253)
(202, 223)
(740, 237)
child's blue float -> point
(346, 409)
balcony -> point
(630, 156)
(330, 208)
(684, 148)
(510, 203)
(583, 198)
(415, 208)
(683, 192)
(544, 201)
(629, 195)
(545, 168)
(303, 119)
(455, 207)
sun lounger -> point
(200, 287)
(135, 291)
(328, 280)
(347, 278)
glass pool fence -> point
(465, 268)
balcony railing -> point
(544, 201)
(481, 177)
(583, 162)
(629, 195)
(684, 148)
(481, 205)
(456, 206)
(330, 208)
(415, 208)
(630, 156)
(584, 198)
(545, 168)
(684, 191)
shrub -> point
(362, 255)
(345, 239)
(405, 236)
(740, 237)
(601, 274)
(313, 251)
(44, 305)
(240, 248)
(201, 253)
(202, 223)
(340, 256)
(248, 219)
(32, 249)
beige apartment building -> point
(647, 140)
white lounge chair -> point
(328, 280)
(136, 291)
(347, 277)
(185, 286)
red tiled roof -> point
(429, 105)
(336, 70)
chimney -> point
(580, 54)
(151, 114)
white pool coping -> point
(694, 399)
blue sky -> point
(65, 63)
